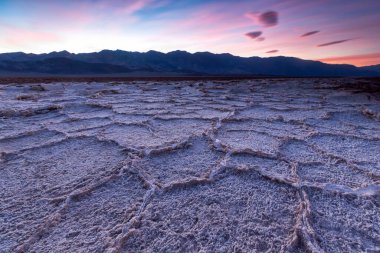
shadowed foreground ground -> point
(282, 165)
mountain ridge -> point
(175, 62)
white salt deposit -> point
(223, 166)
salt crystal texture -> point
(265, 165)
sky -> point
(332, 31)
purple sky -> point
(332, 31)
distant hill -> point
(152, 63)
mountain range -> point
(177, 63)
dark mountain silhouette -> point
(120, 62)
(373, 68)
(60, 65)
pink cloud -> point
(266, 19)
(254, 35)
(205, 25)
(131, 8)
(80, 15)
(31, 37)
(13, 35)
(208, 18)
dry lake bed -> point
(265, 165)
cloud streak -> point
(309, 33)
(333, 43)
(272, 51)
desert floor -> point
(265, 165)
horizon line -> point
(331, 59)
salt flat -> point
(281, 165)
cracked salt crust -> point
(217, 166)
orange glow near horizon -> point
(357, 60)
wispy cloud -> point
(134, 6)
(14, 35)
(272, 51)
(333, 43)
(309, 33)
